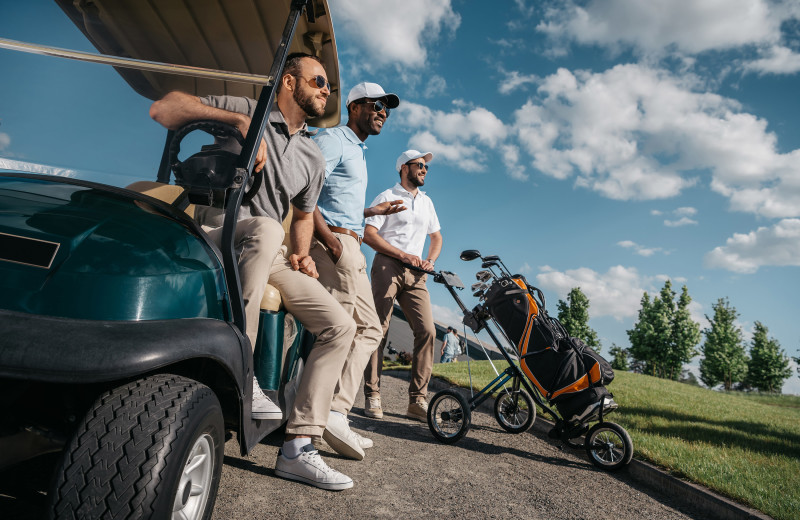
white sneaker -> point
(341, 438)
(263, 407)
(364, 442)
(309, 467)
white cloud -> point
(435, 85)
(776, 60)
(514, 80)
(638, 249)
(459, 136)
(615, 293)
(526, 268)
(447, 315)
(5, 140)
(683, 221)
(635, 132)
(396, 32)
(778, 245)
(686, 211)
(687, 26)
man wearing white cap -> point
(336, 248)
(399, 239)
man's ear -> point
(288, 82)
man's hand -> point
(336, 250)
(304, 264)
(388, 207)
(427, 265)
(261, 155)
(411, 259)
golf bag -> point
(567, 372)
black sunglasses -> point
(318, 81)
(380, 106)
(420, 165)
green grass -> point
(744, 446)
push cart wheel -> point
(514, 411)
(448, 416)
(609, 446)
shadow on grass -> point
(742, 434)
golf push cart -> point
(123, 344)
(561, 375)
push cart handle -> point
(418, 269)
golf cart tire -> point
(449, 416)
(130, 456)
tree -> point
(724, 359)
(768, 367)
(574, 315)
(620, 358)
(664, 337)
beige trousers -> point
(347, 281)
(262, 260)
(390, 282)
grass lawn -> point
(743, 446)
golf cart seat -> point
(168, 193)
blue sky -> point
(606, 144)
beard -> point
(415, 180)
(307, 103)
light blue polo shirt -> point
(343, 195)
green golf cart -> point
(122, 342)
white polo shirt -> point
(408, 229)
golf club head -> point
(489, 264)
(478, 286)
(478, 294)
(491, 258)
(483, 275)
(470, 254)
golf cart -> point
(123, 344)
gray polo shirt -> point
(295, 169)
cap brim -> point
(391, 100)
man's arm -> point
(433, 250)
(376, 242)
(324, 235)
(179, 108)
(301, 230)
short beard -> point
(414, 180)
(306, 102)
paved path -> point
(408, 474)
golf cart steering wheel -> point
(216, 129)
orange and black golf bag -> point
(565, 371)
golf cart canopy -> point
(232, 35)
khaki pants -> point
(347, 281)
(390, 281)
(263, 260)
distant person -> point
(336, 248)
(399, 239)
(293, 175)
(450, 346)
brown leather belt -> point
(345, 231)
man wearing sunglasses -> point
(293, 177)
(399, 241)
(336, 249)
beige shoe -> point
(418, 411)
(372, 407)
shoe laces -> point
(258, 394)
(313, 458)
(374, 402)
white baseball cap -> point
(410, 155)
(371, 91)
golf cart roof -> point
(229, 35)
